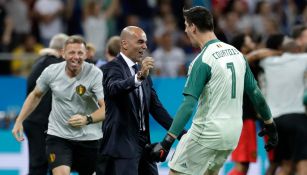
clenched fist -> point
(77, 120)
(147, 64)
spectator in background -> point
(300, 36)
(264, 21)
(140, 11)
(73, 16)
(166, 21)
(284, 80)
(90, 54)
(35, 126)
(169, 59)
(49, 16)
(19, 11)
(112, 20)
(95, 23)
(113, 48)
(6, 29)
(229, 24)
(111, 51)
(24, 54)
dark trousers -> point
(140, 165)
(37, 147)
(292, 135)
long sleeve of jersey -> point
(255, 95)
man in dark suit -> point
(129, 98)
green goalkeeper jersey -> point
(216, 78)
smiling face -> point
(133, 43)
(74, 54)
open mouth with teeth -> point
(75, 63)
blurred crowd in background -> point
(280, 26)
(26, 26)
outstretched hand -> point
(271, 131)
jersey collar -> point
(210, 42)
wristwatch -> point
(140, 76)
(89, 119)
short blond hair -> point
(75, 39)
(113, 45)
(90, 46)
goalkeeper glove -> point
(271, 131)
(159, 151)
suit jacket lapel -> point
(133, 96)
(124, 66)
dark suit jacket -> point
(121, 126)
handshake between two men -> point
(159, 151)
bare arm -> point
(261, 54)
(99, 114)
(29, 105)
(8, 29)
(110, 11)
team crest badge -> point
(51, 157)
(80, 89)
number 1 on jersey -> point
(233, 77)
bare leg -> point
(301, 167)
(240, 168)
(271, 169)
(61, 170)
(286, 168)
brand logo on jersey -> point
(51, 157)
(80, 89)
(184, 165)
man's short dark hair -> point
(75, 39)
(199, 16)
(275, 41)
(238, 41)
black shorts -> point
(292, 132)
(79, 155)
